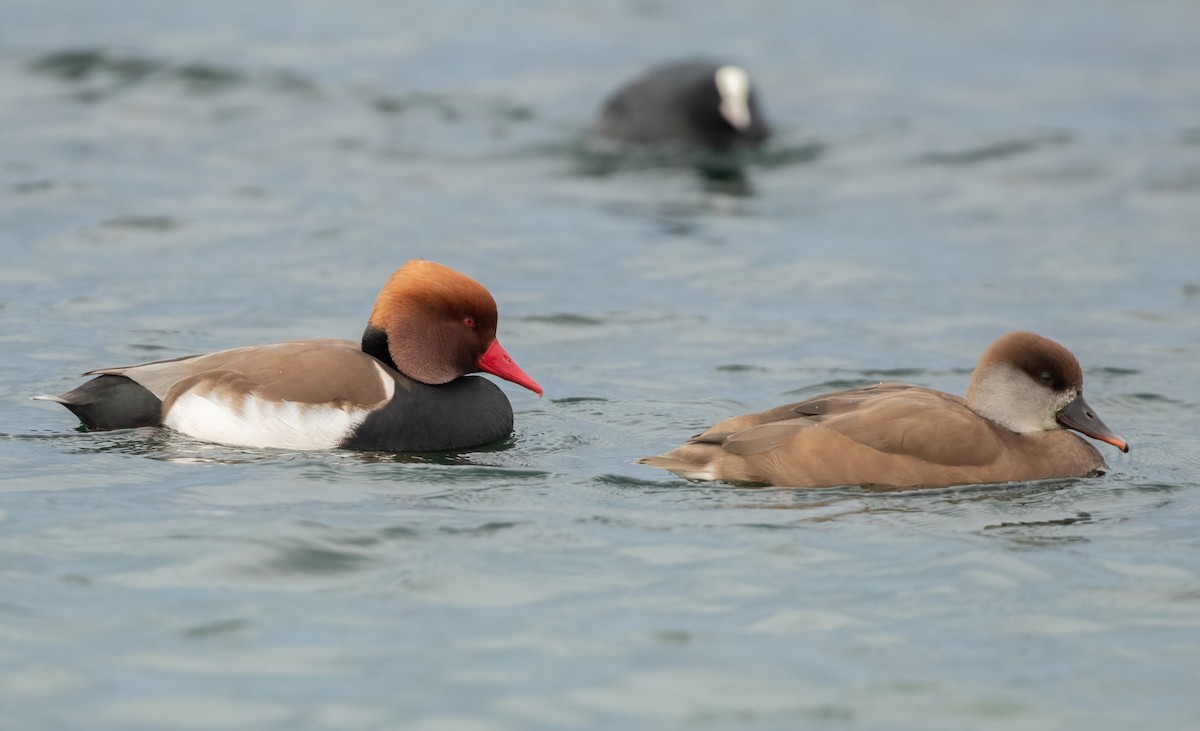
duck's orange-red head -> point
(436, 324)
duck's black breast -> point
(467, 412)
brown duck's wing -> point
(930, 426)
(302, 371)
(911, 421)
(720, 432)
(812, 411)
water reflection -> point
(724, 172)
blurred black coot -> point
(697, 103)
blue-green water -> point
(182, 178)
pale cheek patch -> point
(1015, 401)
(733, 85)
(263, 424)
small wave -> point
(1081, 517)
(451, 107)
(1115, 371)
(27, 187)
(1183, 181)
(306, 557)
(485, 529)
(87, 63)
(219, 628)
(144, 223)
(1143, 402)
(874, 376)
(579, 400)
(835, 384)
(565, 318)
(104, 73)
(614, 480)
(995, 150)
(895, 373)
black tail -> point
(112, 402)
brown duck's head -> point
(1028, 383)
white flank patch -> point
(707, 472)
(260, 423)
(733, 84)
(389, 383)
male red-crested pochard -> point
(402, 389)
(1024, 395)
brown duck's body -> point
(892, 434)
(1026, 392)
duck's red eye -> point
(469, 321)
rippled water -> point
(177, 179)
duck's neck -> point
(375, 344)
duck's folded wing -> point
(811, 411)
(307, 372)
(899, 420)
(925, 425)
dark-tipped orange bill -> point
(1079, 416)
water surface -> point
(177, 179)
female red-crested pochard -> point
(1026, 392)
(401, 390)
